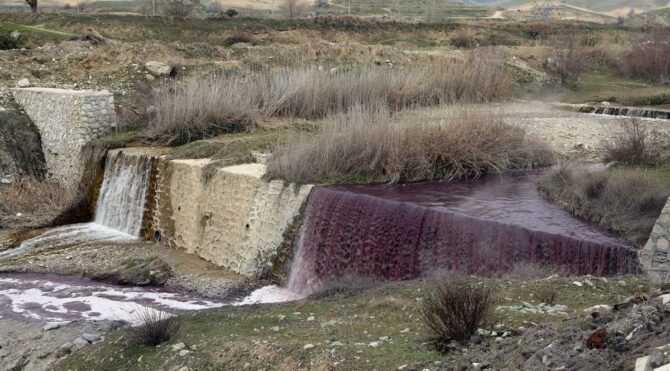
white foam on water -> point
(119, 210)
(48, 301)
(270, 294)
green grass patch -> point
(262, 336)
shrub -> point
(231, 12)
(154, 327)
(210, 105)
(179, 8)
(546, 294)
(10, 41)
(569, 59)
(30, 196)
(627, 201)
(239, 37)
(636, 144)
(370, 145)
(463, 38)
(650, 57)
(454, 310)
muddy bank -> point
(135, 263)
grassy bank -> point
(377, 328)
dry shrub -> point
(627, 201)
(240, 37)
(368, 144)
(179, 8)
(205, 106)
(569, 58)
(636, 144)
(455, 309)
(650, 57)
(546, 294)
(154, 327)
(463, 38)
(30, 196)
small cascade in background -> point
(627, 111)
(485, 227)
(119, 209)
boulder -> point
(158, 69)
(23, 83)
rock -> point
(275, 329)
(577, 283)
(177, 347)
(15, 35)
(588, 283)
(91, 338)
(80, 343)
(51, 326)
(64, 350)
(643, 364)
(23, 83)
(149, 77)
(310, 318)
(598, 339)
(158, 69)
(656, 359)
(374, 344)
(184, 352)
(402, 367)
(579, 347)
(622, 283)
(308, 346)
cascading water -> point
(485, 226)
(627, 111)
(119, 209)
(123, 193)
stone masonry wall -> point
(67, 120)
(655, 256)
(230, 216)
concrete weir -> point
(230, 216)
(67, 120)
(655, 256)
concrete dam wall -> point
(229, 216)
(67, 120)
(655, 256)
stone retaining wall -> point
(230, 216)
(67, 120)
(655, 256)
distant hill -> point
(609, 7)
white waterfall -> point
(124, 191)
(119, 210)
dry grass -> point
(205, 106)
(454, 310)
(154, 327)
(29, 196)
(370, 145)
(650, 57)
(627, 201)
(636, 144)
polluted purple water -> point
(485, 226)
(51, 298)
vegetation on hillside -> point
(367, 144)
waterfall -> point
(119, 208)
(483, 227)
(123, 193)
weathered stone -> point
(234, 218)
(64, 118)
(23, 83)
(158, 69)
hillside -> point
(609, 7)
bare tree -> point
(294, 8)
(32, 4)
